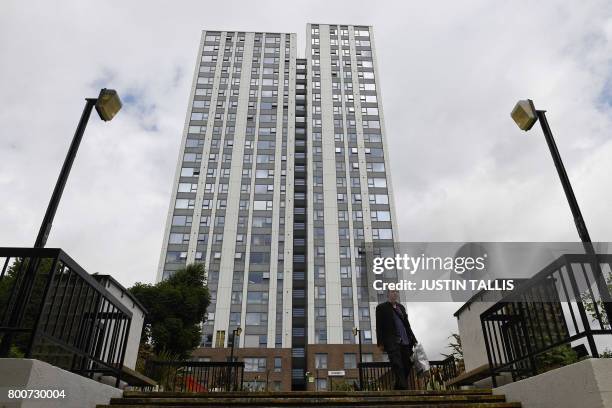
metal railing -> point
(379, 376)
(53, 310)
(442, 371)
(536, 326)
(196, 376)
(376, 376)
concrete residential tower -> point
(282, 176)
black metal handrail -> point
(547, 316)
(196, 376)
(442, 371)
(376, 376)
(51, 309)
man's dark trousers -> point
(399, 357)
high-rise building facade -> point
(282, 177)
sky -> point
(449, 73)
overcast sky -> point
(450, 73)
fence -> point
(196, 376)
(535, 327)
(376, 376)
(53, 310)
(442, 371)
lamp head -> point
(524, 114)
(108, 104)
(238, 331)
(355, 330)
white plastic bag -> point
(419, 359)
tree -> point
(10, 284)
(455, 346)
(176, 307)
(594, 307)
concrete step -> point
(303, 394)
(320, 400)
(478, 398)
(386, 405)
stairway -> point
(481, 398)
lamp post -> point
(107, 105)
(235, 333)
(357, 332)
(525, 115)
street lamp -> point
(525, 115)
(107, 105)
(236, 333)
(357, 332)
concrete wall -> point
(27, 374)
(138, 316)
(470, 329)
(587, 384)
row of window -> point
(344, 31)
(347, 336)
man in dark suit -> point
(395, 337)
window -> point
(377, 182)
(321, 360)
(178, 238)
(234, 319)
(236, 297)
(278, 364)
(256, 318)
(343, 233)
(350, 361)
(382, 233)
(379, 199)
(381, 216)
(176, 257)
(259, 298)
(189, 172)
(320, 292)
(192, 157)
(220, 342)
(259, 258)
(262, 205)
(321, 336)
(367, 357)
(254, 364)
(377, 167)
(182, 203)
(345, 271)
(347, 312)
(199, 116)
(182, 220)
(194, 142)
(261, 239)
(262, 222)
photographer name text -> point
(444, 285)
